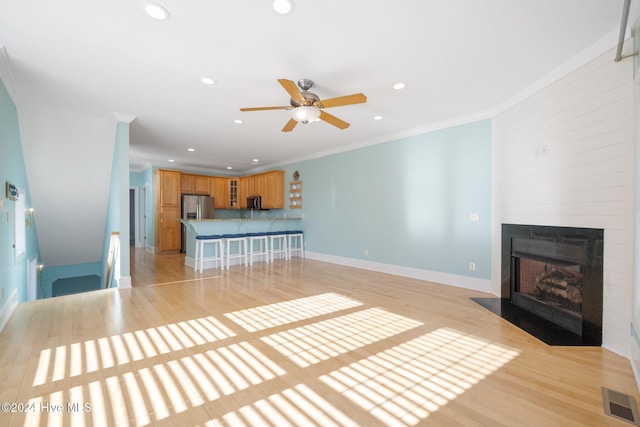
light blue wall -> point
(140, 180)
(122, 160)
(13, 275)
(407, 201)
(51, 274)
(118, 206)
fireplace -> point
(547, 280)
(552, 281)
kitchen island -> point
(231, 226)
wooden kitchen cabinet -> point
(268, 185)
(219, 192)
(201, 184)
(168, 188)
(243, 192)
(194, 184)
(167, 208)
(186, 184)
(227, 192)
(272, 190)
(233, 193)
(168, 238)
(250, 185)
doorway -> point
(132, 217)
(32, 278)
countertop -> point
(238, 219)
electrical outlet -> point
(472, 266)
(366, 252)
(473, 216)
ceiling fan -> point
(307, 106)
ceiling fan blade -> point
(357, 98)
(289, 126)
(333, 120)
(265, 108)
(292, 89)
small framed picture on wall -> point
(12, 192)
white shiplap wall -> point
(565, 157)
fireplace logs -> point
(562, 286)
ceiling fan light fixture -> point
(305, 114)
(283, 7)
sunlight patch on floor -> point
(153, 393)
(282, 313)
(297, 406)
(126, 348)
(313, 343)
(404, 384)
(172, 372)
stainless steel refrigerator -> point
(195, 206)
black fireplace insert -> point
(552, 281)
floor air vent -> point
(620, 406)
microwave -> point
(254, 202)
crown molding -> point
(444, 124)
(600, 47)
(124, 118)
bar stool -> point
(263, 246)
(241, 239)
(218, 250)
(297, 237)
(280, 238)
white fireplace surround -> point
(564, 156)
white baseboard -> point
(124, 282)
(634, 358)
(189, 262)
(7, 308)
(481, 285)
(150, 249)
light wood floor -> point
(300, 343)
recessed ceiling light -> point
(156, 11)
(283, 7)
(208, 81)
(191, 149)
(398, 86)
(377, 118)
(229, 168)
(238, 121)
(255, 160)
(171, 160)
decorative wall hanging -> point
(12, 192)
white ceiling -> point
(456, 57)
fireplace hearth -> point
(552, 280)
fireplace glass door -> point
(550, 283)
(551, 289)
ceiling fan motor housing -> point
(310, 98)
